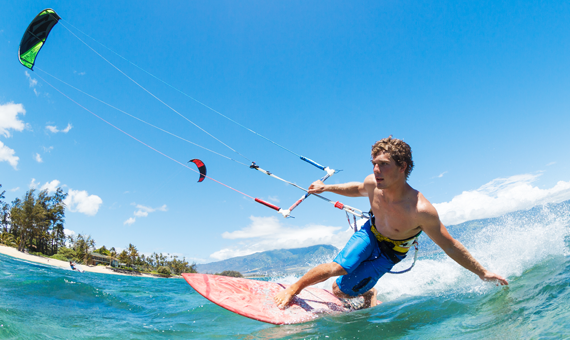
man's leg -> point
(318, 274)
(357, 249)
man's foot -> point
(363, 301)
(283, 298)
(370, 299)
(354, 303)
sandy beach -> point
(13, 252)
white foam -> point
(507, 246)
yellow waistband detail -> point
(401, 246)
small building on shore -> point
(97, 258)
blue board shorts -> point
(364, 262)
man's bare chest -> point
(396, 222)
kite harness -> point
(395, 247)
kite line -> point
(33, 40)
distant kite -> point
(201, 166)
(35, 36)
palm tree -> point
(7, 239)
(133, 253)
(124, 257)
(83, 245)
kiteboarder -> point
(399, 213)
(72, 265)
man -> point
(399, 214)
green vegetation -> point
(103, 251)
(163, 270)
(35, 223)
(65, 254)
(61, 257)
(230, 273)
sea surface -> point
(436, 300)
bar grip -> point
(313, 162)
(267, 204)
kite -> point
(35, 36)
(201, 166)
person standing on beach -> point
(399, 214)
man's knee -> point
(336, 289)
(337, 292)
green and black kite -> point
(35, 36)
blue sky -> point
(478, 89)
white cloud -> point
(273, 199)
(500, 196)
(76, 201)
(48, 150)
(50, 186)
(143, 211)
(9, 118)
(441, 175)
(551, 163)
(54, 129)
(7, 155)
(267, 233)
(33, 82)
(15, 189)
(82, 202)
(38, 158)
(34, 184)
(130, 221)
(261, 226)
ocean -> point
(436, 300)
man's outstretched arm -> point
(352, 189)
(318, 274)
(454, 249)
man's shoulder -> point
(369, 180)
(369, 183)
(424, 208)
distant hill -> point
(283, 261)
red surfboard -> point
(254, 299)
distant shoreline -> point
(13, 252)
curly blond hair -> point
(399, 150)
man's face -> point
(386, 171)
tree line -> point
(35, 223)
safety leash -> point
(413, 263)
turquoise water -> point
(436, 300)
